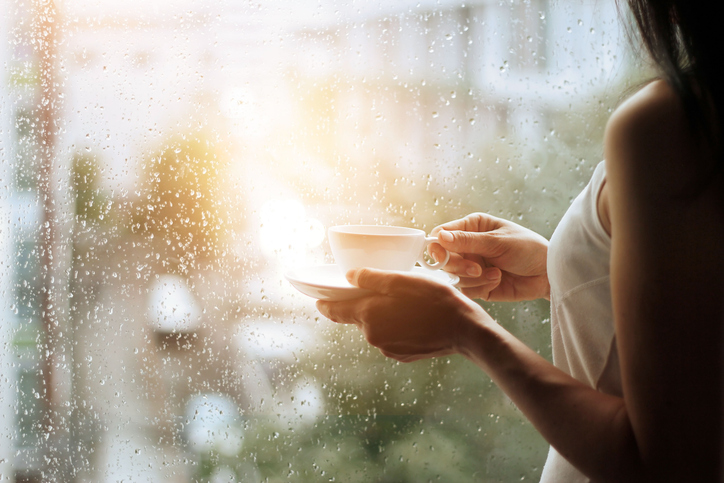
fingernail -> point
(445, 236)
(473, 271)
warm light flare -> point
(286, 233)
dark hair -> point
(684, 39)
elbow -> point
(663, 472)
(625, 474)
(626, 468)
(661, 464)
(620, 461)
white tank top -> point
(583, 338)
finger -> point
(404, 354)
(462, 266)
(483, 292)
(341, 312)
(476, 293)
(389, 354)
(475, 222)
(459, 224)
(485, 244)
(404, 358)
(493, 290)
(489, 277)
(438, 253)
(482, 287)
(394, 284)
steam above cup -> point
(381, 247)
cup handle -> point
(436, 265)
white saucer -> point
(327, 282)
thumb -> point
(483, 244)
(394, 284)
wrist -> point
(487, 344)
(474, 326)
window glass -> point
(163, 164)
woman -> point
(635, 275)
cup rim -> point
(398, 230)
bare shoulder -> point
(666, 205)
(648, 140)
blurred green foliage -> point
(91, 204)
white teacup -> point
(382, 247)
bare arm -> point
(412, 318)
(667, 226)
(667, 277)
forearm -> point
(590, 429)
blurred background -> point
(162, 164)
